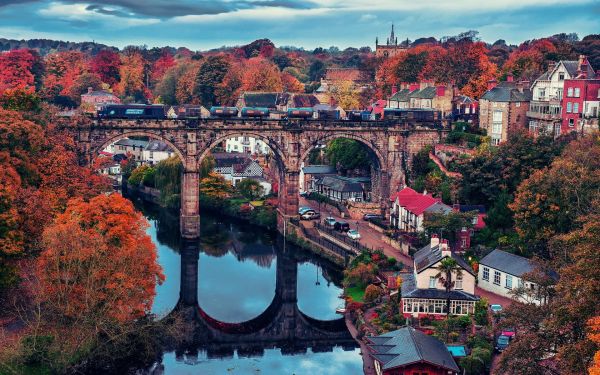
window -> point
(151, 154)
(575, 107)
(432, 282)
(561, 76)
(458, 284)
(520, 283)
(517, 104)
(497, 116)
(542, 93)
(570, 92)
(463, 242)
(571, 122)
(497, 277)
(577, 92)
(486, 274)
(569, 104)
(508, 282)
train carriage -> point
(133, 111)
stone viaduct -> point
(392, 146)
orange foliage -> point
(184, 93)
(160, 66)
(261, 75)
(63, 70)
(131, 72)
(16, 70)
(99, 261)
(527, 62)
(594, 335)
(291, 83)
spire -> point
(392, 38)
(376, 41)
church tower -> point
(391, 46)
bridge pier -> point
(188, 289)
(288, 197)
(190, 205)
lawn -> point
(357, 294)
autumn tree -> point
(214, 189)
(261, 75)
(291, 83)
(551, 199)
(106, 64)
(20, 69)
(132, 73)
(346, 95)
(63, 71)
(250, 189)
(160, 66)
(229, 90)
(594, 335)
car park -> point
(341, 226)
(310, 215)
(353, 234)
(501, 343)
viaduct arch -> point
(291, 141)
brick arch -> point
(95, 150)
(274, 146)
(331, 136)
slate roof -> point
(265, 99)
(226, 159)
(304, 100)
(99, 93)
(339, 183)
(507, 92)
(400, 96)
(463, 99)
(428, 256)
(319, 169)
(409, 290)
(131, 143)
(438, 208)
(426, 93)
(158, 146)
(506, 262)
(406, 346)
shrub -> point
(372, 293)
(361, 275)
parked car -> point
(303, 194)
(508, 332)
(341, 226)
(303, 209)
(501, 343)
(496, 309)
(310, 215)
(369, 217)
(354, 235)
(330, 221)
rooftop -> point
(414, 202)
(319, 169)
(506, 262)
(407, 346)
(158, 146)
(507, 92)
(339, 183)
(131, 142)
(428, 256)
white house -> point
(310, 174)
(409, 208)
(236, 167)
(502, 273)
(126, 146)
(156, 151)
(246, 145)
(422, 292)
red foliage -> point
(16, 69)
(161, 65)
(106, 65)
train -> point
(133, 111)
(390, 115)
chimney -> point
(582, 67)
(440, 90)
(90, 89)
(491, 84)
(435, 240)
(394, 89)
(520, 85)
(445, 249)
(510, 78)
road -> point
(369, 236)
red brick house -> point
(96, 99)
(410, 352)
(463, 237)
(581, 100)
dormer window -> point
(561, 76)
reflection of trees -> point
(261, 254)
(166, 221)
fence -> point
(344, 238)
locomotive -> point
(420, 115)
(133, 111)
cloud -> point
(367, 18)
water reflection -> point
(256, 301)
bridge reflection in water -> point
(280, 326)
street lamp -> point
(317, 283)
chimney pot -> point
(435, 240)
(394, 89)
(491, 84)
(509, 78)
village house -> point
(409, 351)
(503, 109)
(93, 101)
(236, 167)
(277, 102)
(465, 108)
(545, 114)
(336, 77)
(310, 174)
(156, 151)
(399, 98)
(409, 208)
(581, 102)
(246, 145)
(391, 47)
(125, 146)
(464, 235)
(422, 293)
(503, 274)
(341, 189)
(423, 95)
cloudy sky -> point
(202, 24)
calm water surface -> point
(237, 278)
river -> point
(264, 307)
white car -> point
(353, 234)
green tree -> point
(448, 224)
(409, 68)
(210, 76)
(250, 189)
(446, 269)
(168, 181)
(347, 154)
(137, 175)
(207, 165)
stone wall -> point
(358, 209)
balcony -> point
(544, 111)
